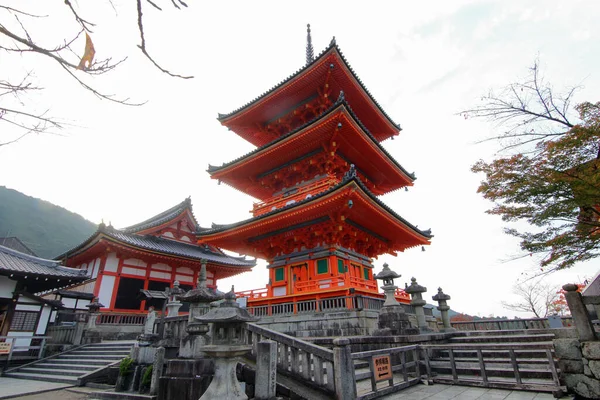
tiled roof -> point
(332, 45)
(16, 244)
(15, 262)
(349, 177)
(162, 245)
(341, 101)
(163, 217)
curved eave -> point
(103, 237)
(339, 106)
(287, 213)
(394, 128)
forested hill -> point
(45, 228)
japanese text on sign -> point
(5, 347)
(382, 368)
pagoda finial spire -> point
(310, 54)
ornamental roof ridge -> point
(341, 100)
(163, 217)
(349, 177)
(332, 45)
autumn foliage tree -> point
(74, 55)
(549, 174)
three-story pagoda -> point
(317, 171)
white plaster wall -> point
(27, 307)
(134, 262)
(20, 342)
(133, 271)
(161, 266)
(7, 287)
(68, 303)
(106, 290)
(168, 235)
(184, 278)
(112, 263)
(43, 321)
(185, 270)
(81, 304)
(160, 275)
(94, 267)
(186, 239)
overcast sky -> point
(424, 63)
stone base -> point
(186, 379)
(191, 346)
(91, 336)
(393, 320)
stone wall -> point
(579, 363)
(340, 323)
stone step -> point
(92, 356)
(470, 369)
(504, 332)
(79, 366)
(99, 353)
(40, 377)
(495, 339)
(85, 361)
(51, 371)
(526, 353)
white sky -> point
(423, 63)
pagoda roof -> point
(158, 245)
(164, 218)
(267, 163)
(351, 185)
(15, 243)
(280, 98)
(13, 262)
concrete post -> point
(157, 367)
(266, 370)
(343, 366)
(579, 313)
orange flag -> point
(88, 55)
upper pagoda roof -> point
(14, 262)
(303, 84)
(157, 245)
(264, 158)
(351, 185)
(164, 218)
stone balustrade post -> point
(266, 370)
(343, 366)
(443, 307)
(157, 368)
(579, 312)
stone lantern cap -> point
(440, 296)
(201, 294)
(414, 287)
(95, 305)
(228, 311)
(176, 290)
(387, 273)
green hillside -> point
(46, 229)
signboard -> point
(382, 368)
(5, 347)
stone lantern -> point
(415, 290)
(442, 299)
(392, 319)
(94, 310)
(174, 304)
(199, 299)
(228, 343)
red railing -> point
(253, 294)
(280, 201)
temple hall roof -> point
(15, 262)
(159, 245)
(163, 217)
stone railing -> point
(508, 324)
(311, 363)
(64, 334)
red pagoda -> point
(317, 171)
